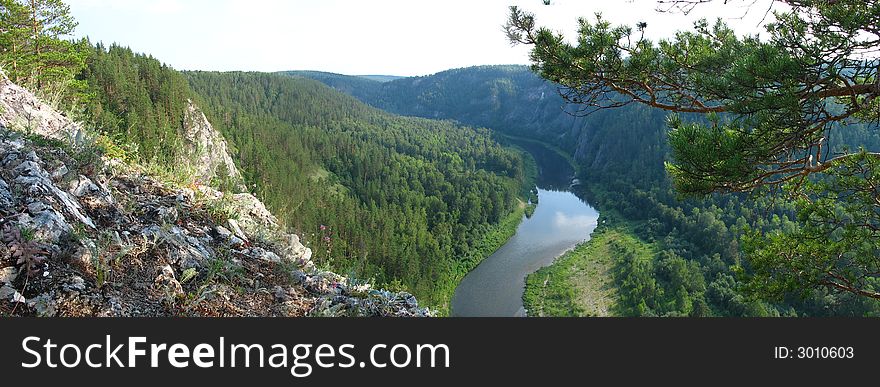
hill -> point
(84, 232)
(513, 100)
(381, 78)
(396, 199)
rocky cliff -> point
(85, 235)
(206, 148)
(20, 110)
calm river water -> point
(561, 221)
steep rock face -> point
(206, 147)
(21, 110)
(82, 235)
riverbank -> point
(504, 137)
(495, 287)
(559, 222)
(580, 282)
(494, 236)
(492, 240)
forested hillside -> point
(697, 266)
(405, 203)
(136, 100)
(515, 101)
(112, 175)
(397, 200)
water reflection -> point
(495, 287)
(563, 220)
(560, 222)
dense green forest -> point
(408, 203)
(515, 101)
(393, 199)
(135, 100)
(697, 266)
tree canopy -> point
(35, 50)
(398, 200)
(751, 113)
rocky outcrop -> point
(88, 236)
(21, 110)
(206, 148)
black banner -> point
(308, 351)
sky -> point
(360, 37)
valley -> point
(491, 190)
(667, 255)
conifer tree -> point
(749, 114)
(37, 50)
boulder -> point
(223, 232)
(233, 225)
(44, 304)
(82, 186)
(36, 183)
(7, 292)
(48, 225)
(254, 217)
(187, 252)
(59, 173)
(263, 254)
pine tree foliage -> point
(770, 108)
(35, 49)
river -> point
(560, 222)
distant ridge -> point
(324, 75)
(381, 78)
